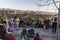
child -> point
(37, 37)
(24, 34)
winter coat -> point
(12, 37)
(24, 34)
(37, 38)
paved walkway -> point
(45, 34)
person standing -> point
(12, 23)
(6, 24)
(37, 23)
(54, 24)
(45, 23)
(17, 22)
(40, 24)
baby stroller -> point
(31, 33)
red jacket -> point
(37, 38)
(12, 37)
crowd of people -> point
(4, 35)
(16, 22)
(10, 23)
(30, 35)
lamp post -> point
(58, 18)
(58, 22)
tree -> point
(4, 13)
(47, 3)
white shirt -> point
(17, 21)
(53, 19)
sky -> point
(22, 5)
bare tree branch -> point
(47, 4)
(55, 4)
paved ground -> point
(45, 34)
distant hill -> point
(23, 13)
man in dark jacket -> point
(54, 25)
